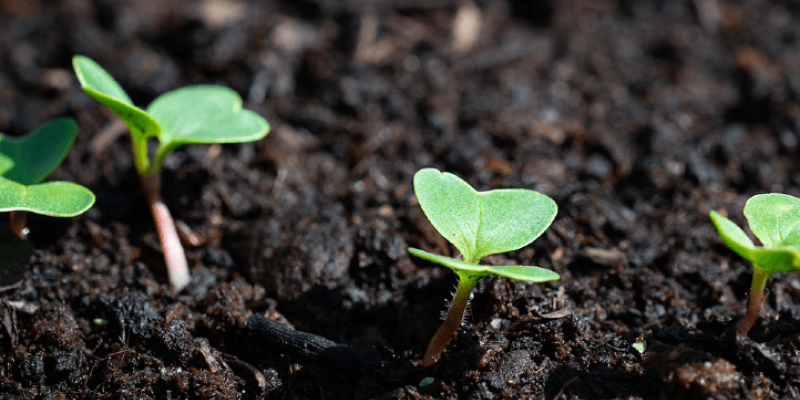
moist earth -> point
(637, 117)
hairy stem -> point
(453, 319)
(760, 277)
(17, 221)
(177, 268)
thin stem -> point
(158, 160)
(140, 156)
(760, 277)
(17, 222)
(453, 319)
(177, 268)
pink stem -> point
(174, 257)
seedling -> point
(200, 114)
(775, 220)
(25, 162)
(640, 345)
(478, 224)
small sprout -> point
(202, 114)
(479, 224)
(426, 381)
(640, 345)
(775, 220)
(100, 321)
(27, 161)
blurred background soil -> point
(637, 117)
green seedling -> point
(25, 162)
(202, 114)
(640, 345)
(775, 220)
(478, 224)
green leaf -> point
(29, 159)
(57, 199)
(779, 259)
(516, 272)
(479, 224)
(206, 114)
(101, 86)
(774, 218)
(732, 234)
(5, 163)
(195, 114)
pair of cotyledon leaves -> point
(195, 114)
(28, 160)
(480, 224)
(775, 220)
(199, 114)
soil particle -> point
(134, 314)
(693, 372)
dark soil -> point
(637, 117)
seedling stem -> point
(760, 277)
(174, 255)
(17, 221)
(452, 320)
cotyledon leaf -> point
(31, 158)
(58, 199)
(477, 223)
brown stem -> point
(754, 304)
(174, 257)
(17, 221)
(453, 319)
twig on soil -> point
(310, 348)
(205, 350)
(260, 380)
(558, 314)
(561, 391)
(10, 323)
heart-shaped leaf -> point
(777, 259)
(195, 114)
(516, 272)
(206, 114)
(479, 224)
(774, 218)
(58, 199)
(29, 159)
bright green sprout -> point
(639, 345)
(479, 224)
(202, 114)
(26, 161)
(775, 220)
